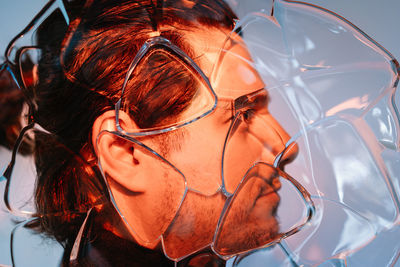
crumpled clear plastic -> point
(332, 88)
(340, 87)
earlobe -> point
(118, 158)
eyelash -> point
(248, 114)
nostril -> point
(287, 155)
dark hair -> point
(99, 48)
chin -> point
(248, 236)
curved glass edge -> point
(161, 41)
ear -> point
(119, 159)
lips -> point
(268, 193)
(270, 185)
(271, 199)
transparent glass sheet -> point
(337, 86)
(20, 188)
(270, 256)
(207, 204)
(32, 249)
(167, 188)
(163, 73)
(260, 134)
(17, 194)
(28, 38)
(266, 207)
(322, 141)
(29, 60)
(23, 52)
(24, 243)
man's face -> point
(213, 154)
(256, 136)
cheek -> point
(241, 152)
(200, 154)
(195, 224)
(153, 210)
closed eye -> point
(248, 114)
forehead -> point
(225, 59)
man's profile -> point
(162, 134)
(161, 152)
(157, 138)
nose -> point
(278, 148)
